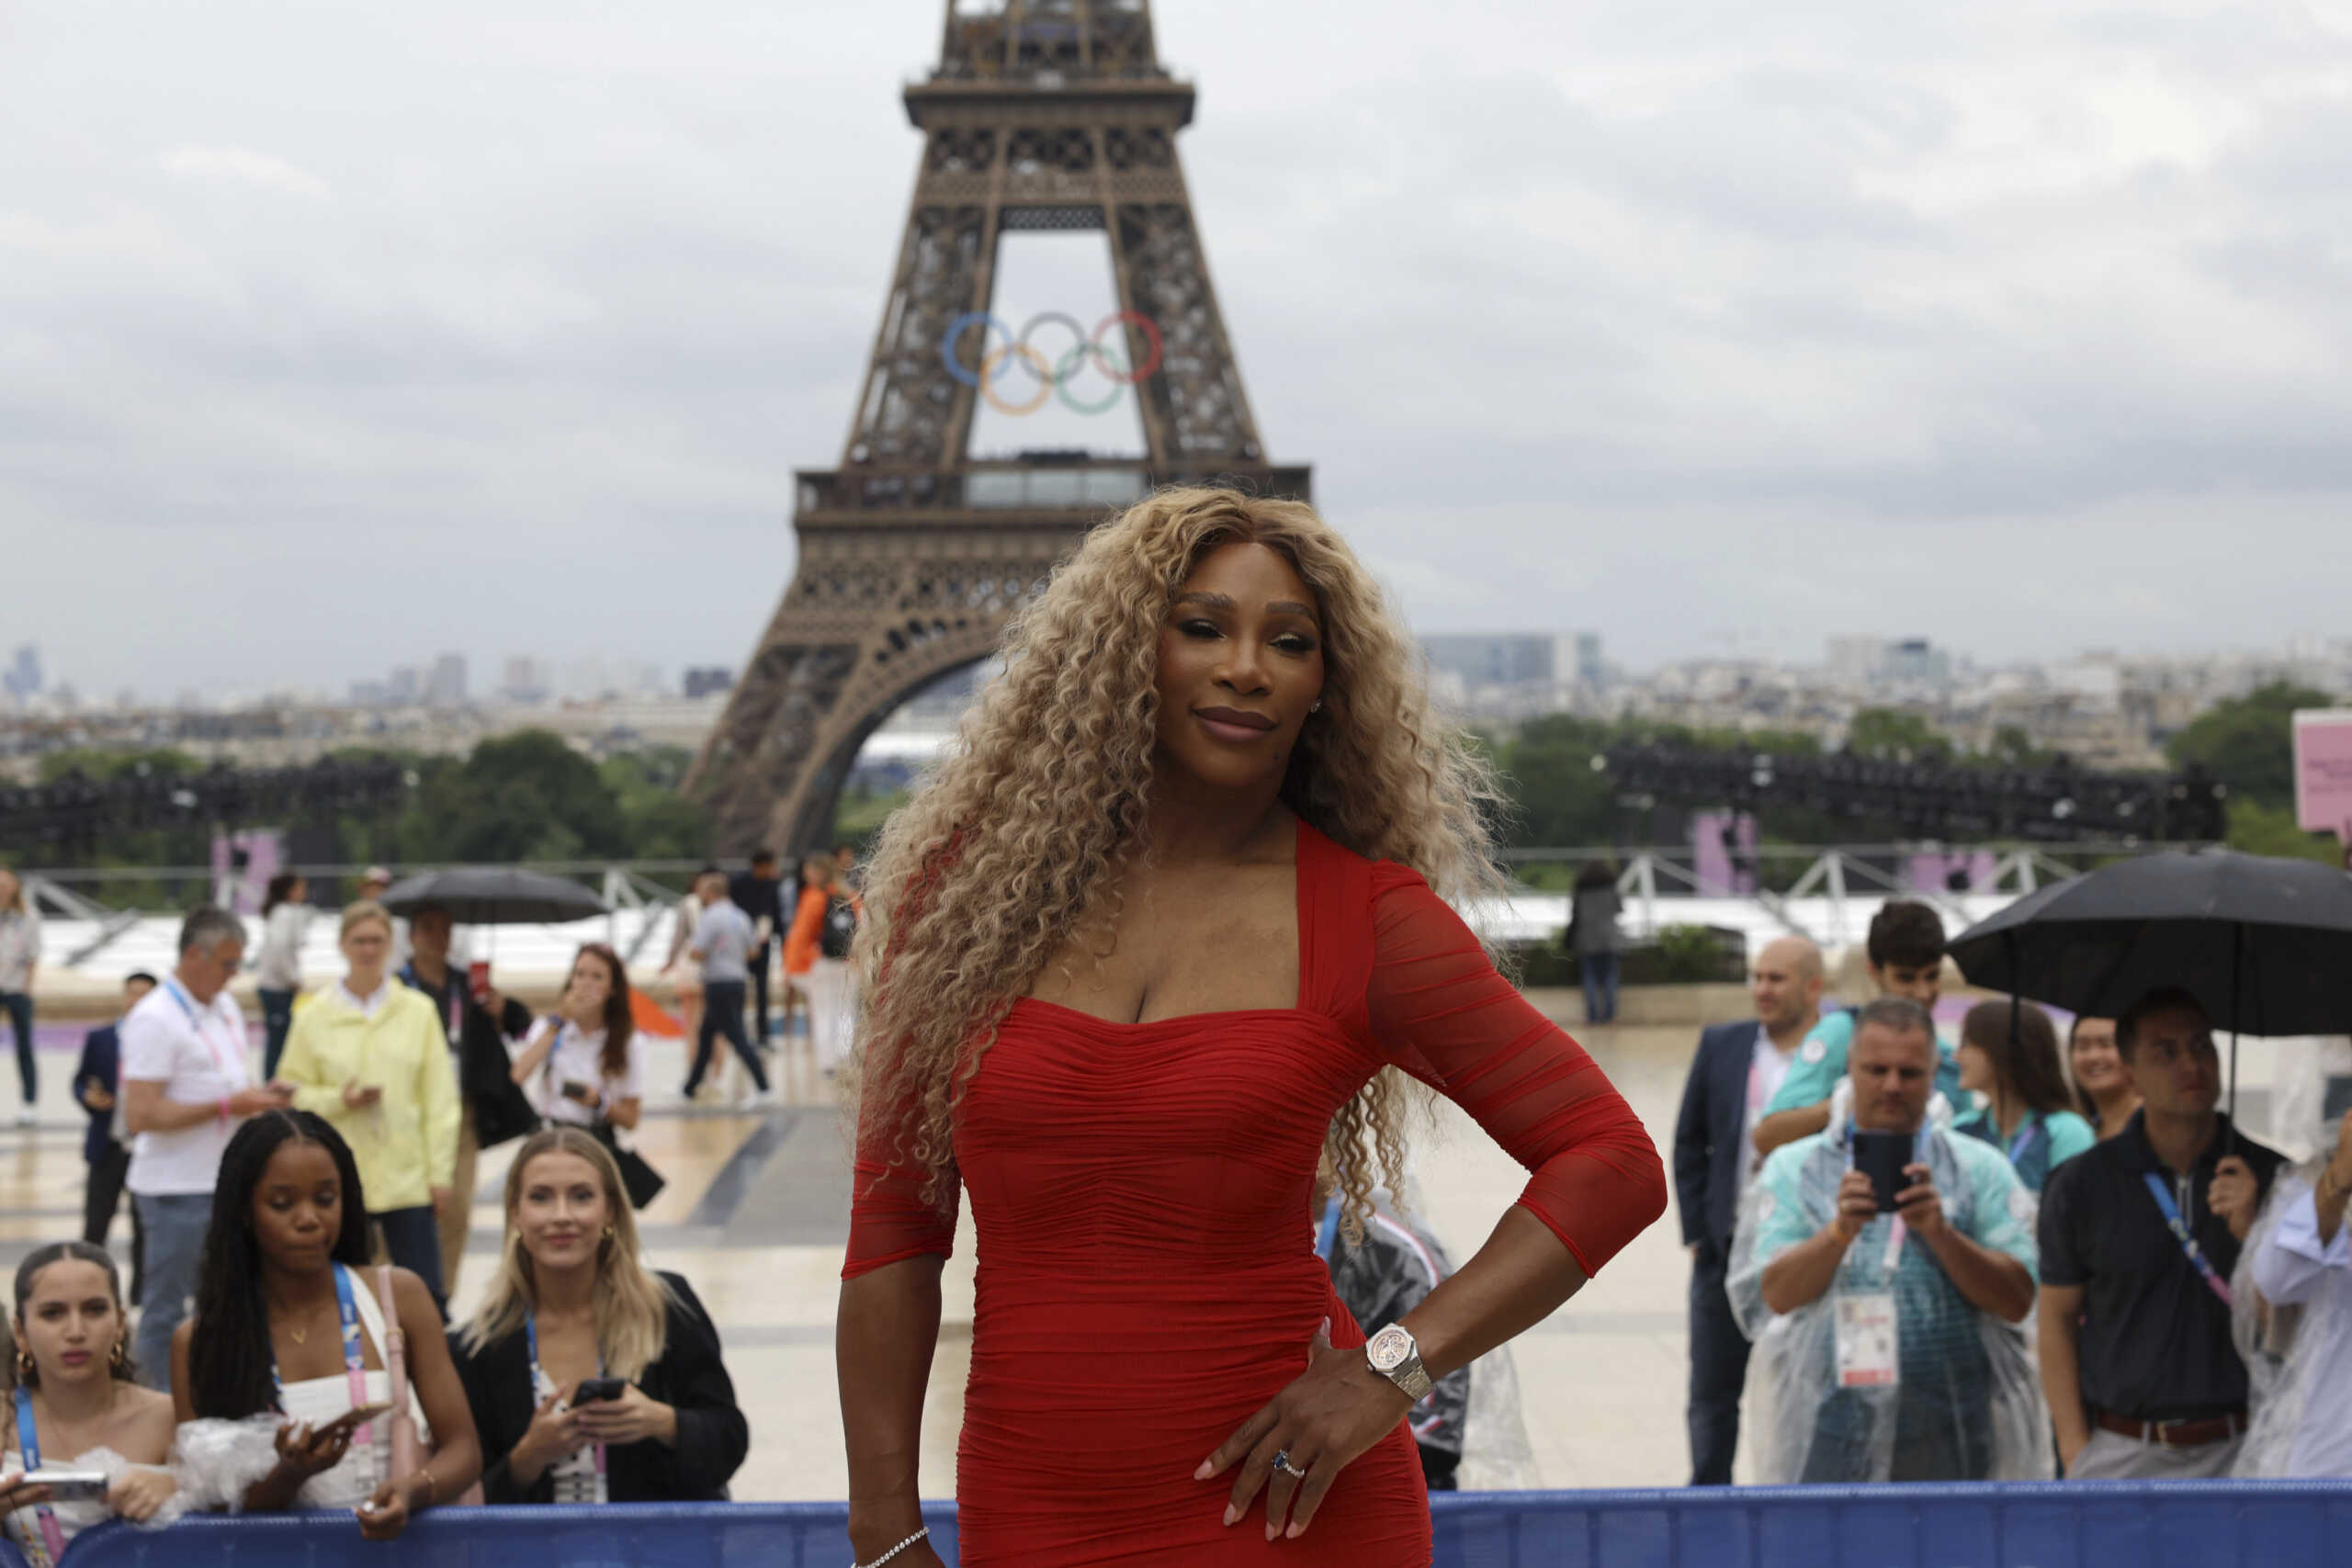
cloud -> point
(1627, 315)
(244, 166)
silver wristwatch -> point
(1395, 1356)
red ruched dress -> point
(1148, 1278)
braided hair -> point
(231, 1367)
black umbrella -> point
(2263, 944)
(495, 895)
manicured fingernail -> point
(1231, 1514)
(1295, 1531)
(1202, 1473)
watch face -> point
(1387, 1350)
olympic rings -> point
(1053, 377)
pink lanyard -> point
(228, 1068)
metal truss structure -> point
(1934, 801)
(76, 811)
(1041, 114)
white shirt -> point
(279, 967)
(369, 1004)
(198, 1052)
(20, 945)
(2292, 1266)
(578, 1058)
(1766, 1066)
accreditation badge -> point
(1866, 1340)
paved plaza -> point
(756, 1211)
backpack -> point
(840, 928)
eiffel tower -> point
(1043, 115)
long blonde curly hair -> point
(1043, 802)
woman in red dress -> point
(1141, 953)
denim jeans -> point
(18, 1005)
(174, 1225)
(412, 1241)
(277, 1021)
(1600, 973)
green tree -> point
(661, 823)
(2248, 743)
(521, 796)
(2261, 829)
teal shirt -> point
(2043, 1141)
(1821, 1062)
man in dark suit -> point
(97, 1084)
(759, 893)
(1739, 1069)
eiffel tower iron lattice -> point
(1043, 115)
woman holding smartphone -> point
(287, 1321)
(75, 1407)
(592, 1378)
(582, 1064)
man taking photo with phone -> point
(1880, 1267)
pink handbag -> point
(408, 1451)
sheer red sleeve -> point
(1440, 1012)
(889, 1219)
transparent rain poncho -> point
(1966, 1405)
(2290, 1314)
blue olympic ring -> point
(1053, 378)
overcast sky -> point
(334, 335)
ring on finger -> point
(1282, 1462)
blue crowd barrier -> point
(2054, 1524)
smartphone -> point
(478, 977)
(1882, 1156)
(594, 1390)
(69, 1485)
(575, 1089)
(352, 1420)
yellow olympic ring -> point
(995, 357)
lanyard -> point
(1328, 1231)
(196, 1022)
(354, 1361)
(2181, 1233)
(2024, 1136)
(539, 1376)
(29, 1439)
(454, 1027)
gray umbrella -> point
(495, 895)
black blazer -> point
(690, 1377)
(100, 1064)
(1709, 1134)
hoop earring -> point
(25, 1367)
(1316, 706)
(116, 1356)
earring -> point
(610, 1233)
(115, 1357)
(1316, 706)
(24, 1366)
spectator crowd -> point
(1999, 1254)
(284, 1341)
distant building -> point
(404, 687)
(1516, 658)
(1867, 663)
(22, 679)
(707, 680)
(370, 694)
(445, 686)
(527, 682)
